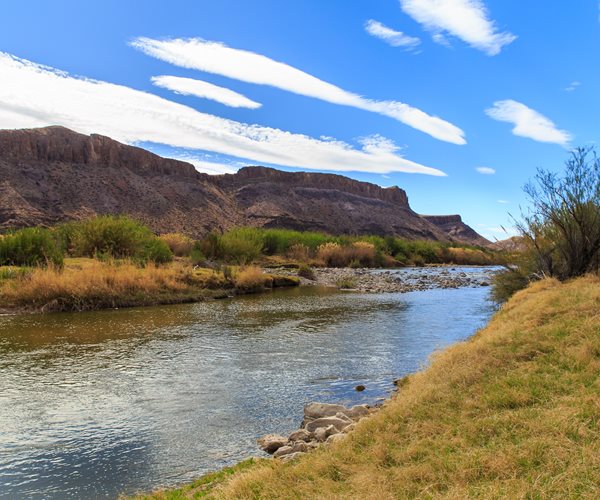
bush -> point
(31, 247)
(116, 237)
(180, 244)
(250, 278)
(196, 255)
(298, 252)
(241, 245)
(508, 282)
(332, 255)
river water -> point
(97, 404)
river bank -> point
(505, 413)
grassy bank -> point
(513, 412)
(83, 284)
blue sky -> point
(370, 89)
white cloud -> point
(208, 167)
(200, 88)
(32, 96)
(390, 36)
(485, 170)
(572, 86)
(465, 19)
(528, 122)
(217, 58)
(504, 202)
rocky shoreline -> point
(322, 425)
(396, 280)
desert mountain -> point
(53, 174)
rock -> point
(350, 428)
(271, 442)
(339, 423)
(280, 281)
(300, 435)
(334, 438)
(360, 388)
(284, 450)
(320, 410)
(322, 433)
(300, 446)
(292, 456)
(357, 412)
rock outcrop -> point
(50, 175)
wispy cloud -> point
(468, 20)
(485, 170)
(217, 58)
(390, 36)
(528, 122)
(504, 202)
(32, 95)
(208, 167)
(572, 86)
(205, 90)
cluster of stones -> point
(323, 424)
(375, 281)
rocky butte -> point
(51, 175)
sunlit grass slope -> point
(512, 413)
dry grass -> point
(360, 253)
(86, 284)
(470, 256)
(512, 413)
(180, 244)
(250, 278)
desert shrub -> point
(250, 278)
(242, 245)
(417, 261)
(467, 256)
(180, 244)
(332, 255)
(305, 271)
(196, 255)
(363, 252)
(155, 250)
(508, 282)
(299, 252)
(31, 247)
(211, 247)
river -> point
(97, 404)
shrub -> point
(298, 252)
(241, 245)
(196, 255)
(332, 255)
(307, 272)
(346, 283)
(250, 278)
(363, 252)
(508, 282)
(180, 244)
(155, 250)
(31, 247)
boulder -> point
(337, 422)
(300, 435)
(333, 438)
(291, 456)
(271, 442)
(357, 412)
(322, 433)
(319, 410)
(300, 446)
(284, 450)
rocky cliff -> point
(53, 174)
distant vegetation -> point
(561, 230)
(247, 244)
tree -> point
(563, 224)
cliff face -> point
(52, 174)
(455, 228)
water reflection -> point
(96, 404)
